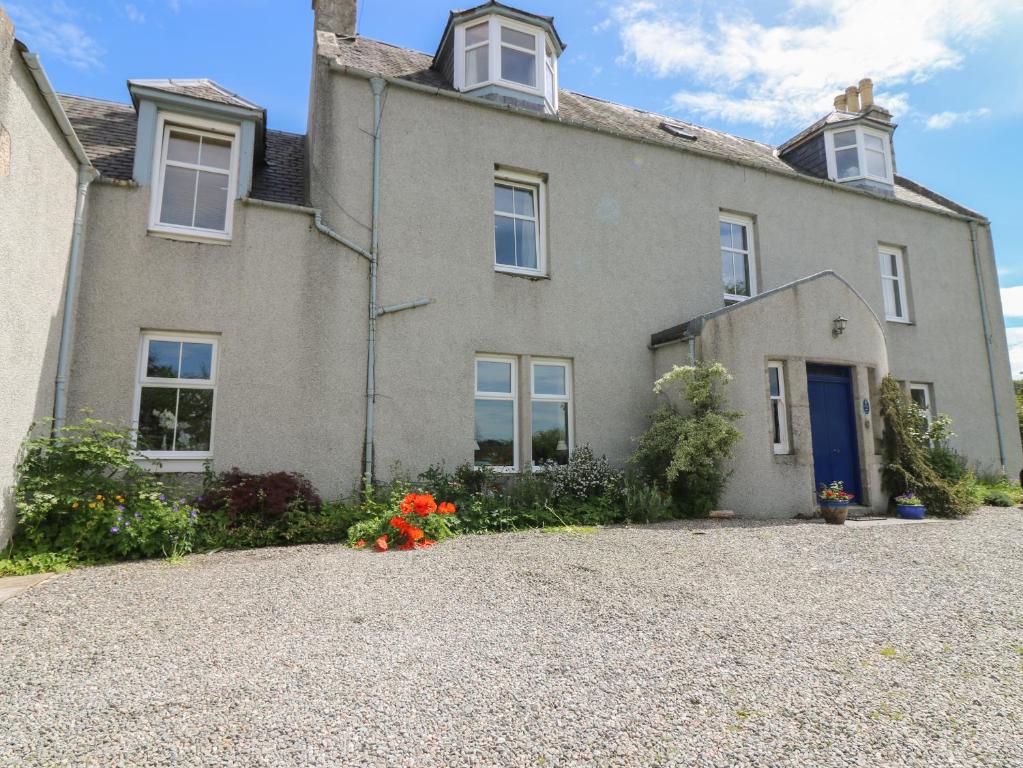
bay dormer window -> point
(503, 56)
(859, 153)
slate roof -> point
(203, 88)
(416, 67)
(107, 131)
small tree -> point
(907, 464)
(688, 448)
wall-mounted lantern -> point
(838, 326)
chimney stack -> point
(840, 102)
(335, 16)
(852, 99)
(866, 93)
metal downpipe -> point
(377, 85)
(987, 341)
(86, 175)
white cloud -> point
(942, 120)
(1012, 301)
(53, 29)
(1014, 336)
(788, 73)
(134, 14)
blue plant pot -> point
(911, 511)
(832, 504)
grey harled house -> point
(462, 262)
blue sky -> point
(951, 71)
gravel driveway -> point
(753, 644)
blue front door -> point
(833, 424)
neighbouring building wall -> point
(633, 248)
(288, 306)
(38, 180)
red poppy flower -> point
(381, 544)
(446, 508)
(413, 534)
(407, 504)
(424, 504)
(425, 543)
(360, 543)
(398, 522)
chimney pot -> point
(852, 99)
(337, 16)
(866, 93)
(840, 102)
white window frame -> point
(928, 407)
(513, 396)
(494, 74)
(747, 222)
(565, 398)
(166, 122)
(537, 186)
(466, 49)
(784, 445)
(884, 253)
(550, 65)
(175, 461)
(861, 154)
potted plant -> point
(834, 502)
(909, 506)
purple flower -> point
(120, 507)
(114, 529)
(193, 514)
(138, 516)
(161, 497)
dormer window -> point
(859, 153)
(195, 178)
(499, 53)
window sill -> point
(198, 236)
(899, 321)
(522, 273)
(173, 464)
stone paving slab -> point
(12, 586)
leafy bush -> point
(906, 457)
(404, 521)
(41, 563)
(687, 450)
(260, 499)
(997, 497)
(583, 477)
(80, 493)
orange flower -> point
(446, 508)
(407, 504)
(425, 543)
(424, 504)
(398, 522)
(413, 534)
(381, 544)
(360, 543)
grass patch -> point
(46, 562)
(579, 530)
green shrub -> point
(583, 477)
(687, 450)
(906, 466)
(44, 562)
(996, 497)
(80, 493)
(401, 519)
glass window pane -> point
(845, 139)
(919, 397)
(873, 142)
(216, 153)
(876, 165)
(525, 243)
(162, 360)
(772, 374)
(476, 34)
(211, 201)
(196, 360)
(892, 300)
(741, 285)
(493, 376)
(183, 147)
(504, 240)
(518, 67)
(739, 239)
(550, 432)
(178, 196)
(549, 380)
(504, 198)
(157, 408)
(477, 65)
(195, 420)
(495, 433)
(893, 263)
(776, 421)
(524, 202)
(847, 163)
(727, 271)
(521, 39)
(726, 234)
